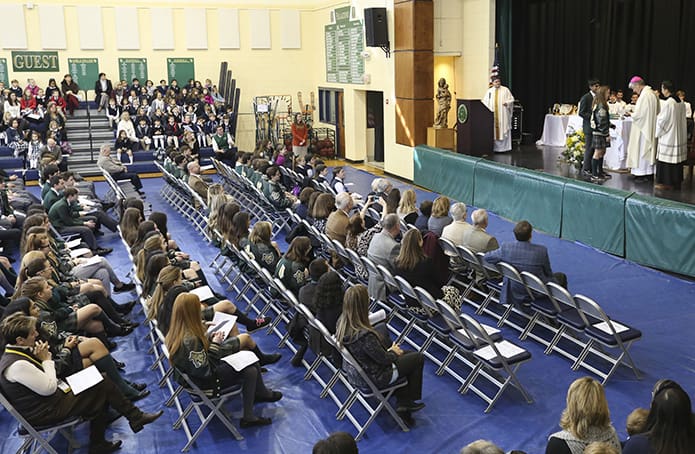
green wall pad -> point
(538, 199)
(450, 173)
(660, 233)
(594, 215)
(494, 187)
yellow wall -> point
(463, 52)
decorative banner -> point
(25, 61)
(180, 69)
(84, 71)
(3, 72)
(344, 41)
(131, 68)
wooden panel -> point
(414, 25)
(413, 117)
(414, 74)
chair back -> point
(592, 310)
(511, 273)
(426, 300)
(448, 247)
(537, 286)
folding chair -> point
(460, 272)
(483, 278)
(544, 306)
(39, 437)
(369, 390)
(608, 333)
(501, 357)
(199, 401)
(512, 274)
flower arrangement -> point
(573, 153)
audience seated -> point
(477, 239)
(338, 220)
(440, 215)
(383, 250)
(384, 365)
(261, 248)
(481, 447)
(199, 356)
(336, 443)
(585, 420)
(670, 426)
(292, 267)
(525, 256)
(28, 379)
(407, 208)
(456, 230)
(116, 169)
(195, 180)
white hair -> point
(342, 201)
(482, 447)
(104, 147)
(458, 211)
(479, 217)
(390, 221)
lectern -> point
(475, 127)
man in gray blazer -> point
(383, 250)
(477, 239)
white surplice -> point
(671, 132)
(641, 150)
(501, 103)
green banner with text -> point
(44, 61)
(131, 68)
(84, 71)
(181, 69)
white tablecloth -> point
(616, 154)
(554, 128)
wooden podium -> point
(475, 127)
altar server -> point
(672, 136)
(500, 101)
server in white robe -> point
(501, 103)
(641, 150)
(672, 137)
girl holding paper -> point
(192, 352)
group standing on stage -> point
(658, 137)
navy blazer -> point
(524, 256)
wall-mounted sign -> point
(44, 61)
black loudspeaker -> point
(376, 29)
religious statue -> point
(444, 102)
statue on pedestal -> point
(444, 104)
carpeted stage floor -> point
(657, 303)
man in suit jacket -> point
(383, 250)
(337, 222)
(455, 231)
(195, 180)
(524, 256)
(57, 185)
(476, 238)
(585, 107)
(63, 218)
(103, 90)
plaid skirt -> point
(600, 142)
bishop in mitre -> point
(641, 150)
(501, 103)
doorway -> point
(375, 123)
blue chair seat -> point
(544, 306)
(496, 363)
(571, 317)
(438, 323)
(608, 339)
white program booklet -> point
(222, 322)
(79, 252)
(84, 379)
(240, 360)
(91, 261)
(376, 317)
(506, 349)
(73, 243)
(203, 292)
(603, 326)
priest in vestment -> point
(501, 103)
(641, 150)
(672, 135)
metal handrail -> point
(89, 127)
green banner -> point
(3, 72)
(130, 68)
(344, 43)
(180, 69)
(44, 61)
(84, 71)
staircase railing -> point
(89, 127)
